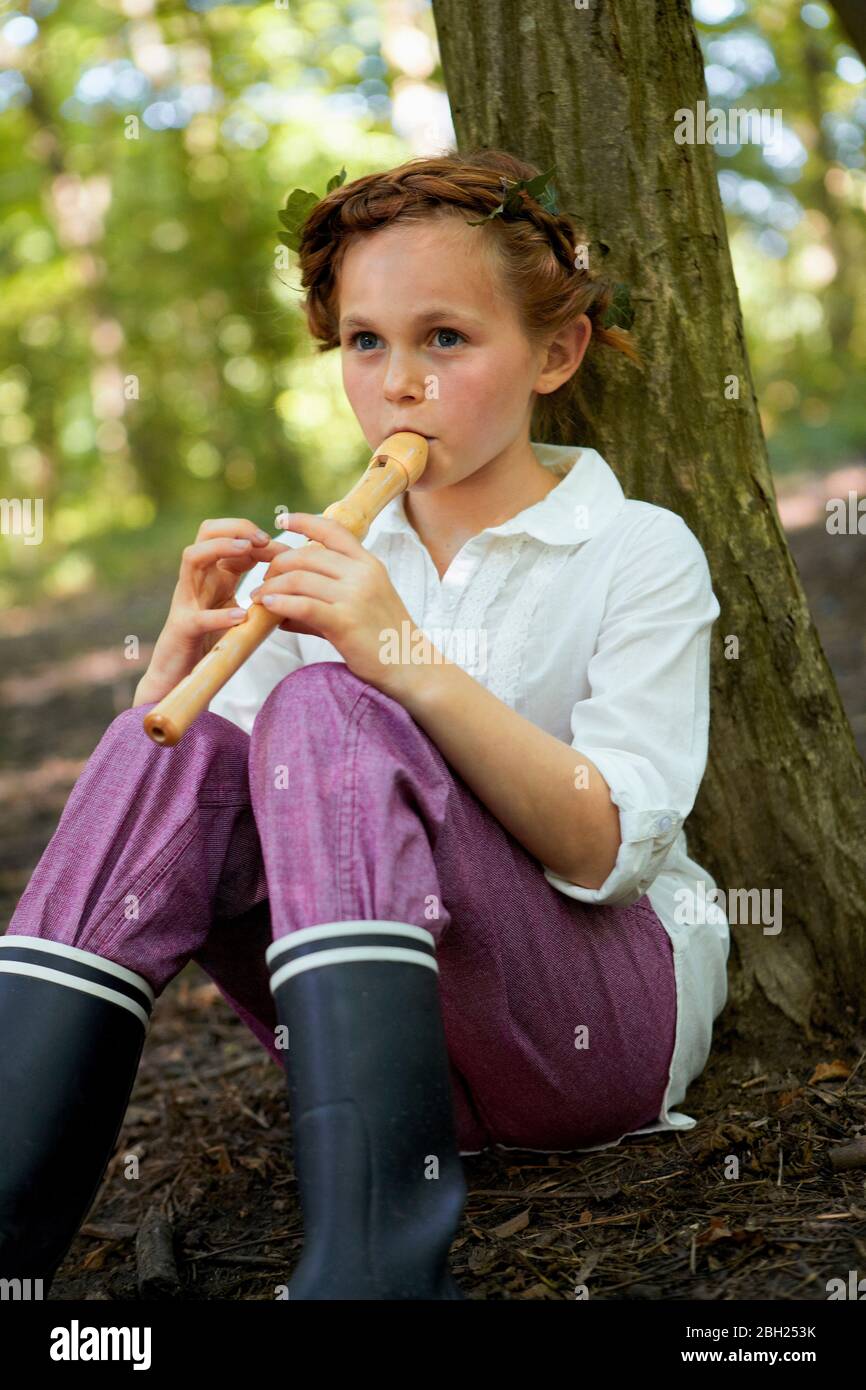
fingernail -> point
(262, 536)
(268, 599)
(255, 593)
(238, 612)
(241, 545)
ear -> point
(565, 353)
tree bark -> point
(852, 18)
(783, 801)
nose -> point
(403, 379)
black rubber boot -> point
(381, 1181)
(72, 1029)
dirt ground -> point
(654, 1218)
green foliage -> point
(154, 364)
(512, 203)
(299, 205)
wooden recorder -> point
(395, 466)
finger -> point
(201, 554)
(295, 625)
(235, 567)
(301, 613)
(212, 619)
(328, 532)
(255, 555)
(231, 526)
(299, 583)
(316, 559)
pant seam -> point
(346, 830)
(355, 728)
(229, 805)
(100, 942)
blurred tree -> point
(595, 91)
(852, 16)
(154, 369)
(795, 207)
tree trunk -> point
(783, 801)
(852, 17)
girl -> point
(463, 852)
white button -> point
(664, 823)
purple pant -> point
(339, 807)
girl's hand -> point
(339, 591)
(202, 606)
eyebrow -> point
(434, 315)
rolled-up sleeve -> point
(645, 724)
(244, 693)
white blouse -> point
(589, 613)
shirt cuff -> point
(648, 833)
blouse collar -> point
(587, 497)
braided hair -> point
(534, 251)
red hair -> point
(534, 252)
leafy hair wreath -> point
(300, 203)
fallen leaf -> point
(510, 1228)
(788, 1097)
(825, 1070)
(259, 1165)
(95, 1259)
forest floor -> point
(653, 1218)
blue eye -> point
(368, 333)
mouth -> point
(411, 429)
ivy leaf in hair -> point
(336, 180)
(620, 311)
(496, 211)
(513, 203)
(537, 188)
(299, 205)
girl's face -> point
(430, 342)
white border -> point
(60, 977)
(343, 954)
(60, 948)
(351, 928)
